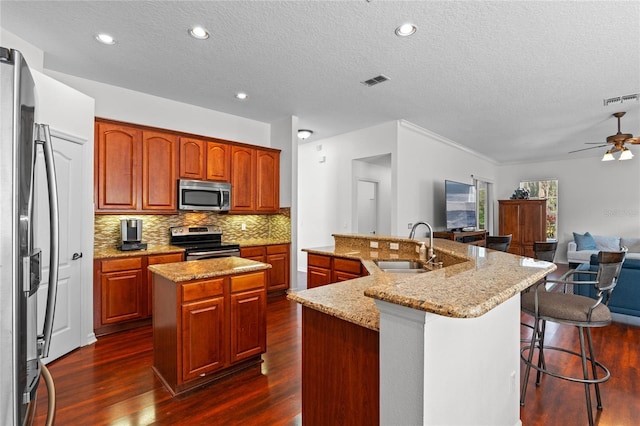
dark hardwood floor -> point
(111, 383)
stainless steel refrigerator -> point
(22, 345)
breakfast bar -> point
(445, 342)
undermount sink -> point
(401, 266)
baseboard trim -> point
(626, 319)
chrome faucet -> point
(412, 235)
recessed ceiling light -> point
(199, 33)
(105, 38)
(304, 133)
(405, 30)
(242, 96)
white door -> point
(68, 163)
(70, 116)
(367, 204)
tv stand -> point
(476, 238)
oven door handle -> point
(214, 253)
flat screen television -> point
(460, 199)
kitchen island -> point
(209, 320)
(448, 338)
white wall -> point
(600, 197)
(424, 161)
(325, 188)
(127, 105)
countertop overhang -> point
(208, 268)
(468, 289)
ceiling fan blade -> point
(594, 143)
(584, 149)
(633, 141)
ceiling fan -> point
(618, 140)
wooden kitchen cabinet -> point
(159, 165)
(157, 259)
(117, 159)
(204, 328)
(248, 316)
(208, 328)
(243, 179)
(526, 221)
(218, 161)
(323, 269)
(119, 288)
(192, 158)
(277, 255)
(135, 169)
(205, 160)
(267, 181)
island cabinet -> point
(255, 179)
(526, 221)
(205, 159)
(135, 169)
(277, 255)
(323, 270)
(207, 328)
(122, 291)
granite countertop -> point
(259, 242)
(208, 268)
(111, 252)
(479, 281)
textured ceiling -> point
(514, 81)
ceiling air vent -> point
(622, 99)
(375, 80)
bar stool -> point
(545, 250)
(498, 242)
(571, 309)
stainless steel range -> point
(202, 242)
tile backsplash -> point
(155, 228)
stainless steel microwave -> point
(206, 196)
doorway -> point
(367, 206)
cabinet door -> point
(254, 253)
(248, 324)
(279, 272)
(339, 276)
(509, 223)
(157, 260)
(242, 179)
(203, 338)
(192, 158)
(533, 222)
(117, 167)
(218, 161)
(121, 296)
(159, 153)
(267, 181)
(317, 276)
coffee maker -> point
(131, 234)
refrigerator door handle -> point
(44, 137)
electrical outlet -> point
(394, 246)
(373, 244)
(243, 227)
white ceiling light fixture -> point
(105, 39)
(304, 134)
(199, 33)
(626, 154)
(241, 96)
(608, 156)
(405, 30)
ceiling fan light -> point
(608, 156)
(626, 154)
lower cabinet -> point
(277, 255)
(208, 328)
(323, 270)
(122, 291)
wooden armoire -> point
(526, 221)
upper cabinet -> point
(204, 160)
(135, 169)
(255, 180)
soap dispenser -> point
(423, 251)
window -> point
(484, 200)
(546, 189)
